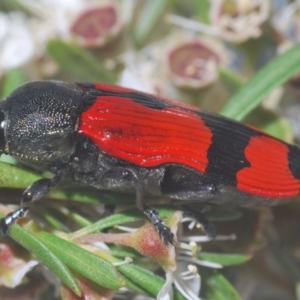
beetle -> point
(120, 139)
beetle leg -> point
(11, 218)
(127, 175)
(164, 231)
(207, 226)
(109, 209)
(199, 194)
(34, 192)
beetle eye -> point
(2, 138)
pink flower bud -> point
(96, 25)
(193, 64)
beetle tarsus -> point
(207, 226)
(34, 192)
(11, 218)
(129, 176)
(164, 231)
(109, 209)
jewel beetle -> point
(119, 139)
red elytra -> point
(269, 174)
(137, 134)
(177, 133)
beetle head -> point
(38, 121)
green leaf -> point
(270, 123)
(145, 279)
(123, 252)
(148, 19)
(134, 287)
(45, 255)
(224, 259)
(12, 79)
(218, 287)
(116, 219)
(89, 194)
(234, 80)
(113, 220)
(275, 73)
(78, 63)
(12, 176)
(298, 291)
(83, 262)
(142, 277)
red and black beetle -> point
(125, 140)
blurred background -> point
(198, 52)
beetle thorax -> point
(41, 125)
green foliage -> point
(275, 73)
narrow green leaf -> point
(271, 123)
(52, 221)
(12, 79)
(178, 296)
(148, 19)
(12, 176)
(134, 287)
(116, 219)
(298, 291)
(123, 252)
(234, 80)
(46, 256)
(144, 278)
(89, 195)
(113, 220)
(77, 218)
(218, 287)
(83, 262)
(149, 281)
(224, 259)
(78, 63)
(276, 72)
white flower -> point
(13, 265)
(286, 21)
(239, 20)
(16, 42)
(232, 20)
(90, 23)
